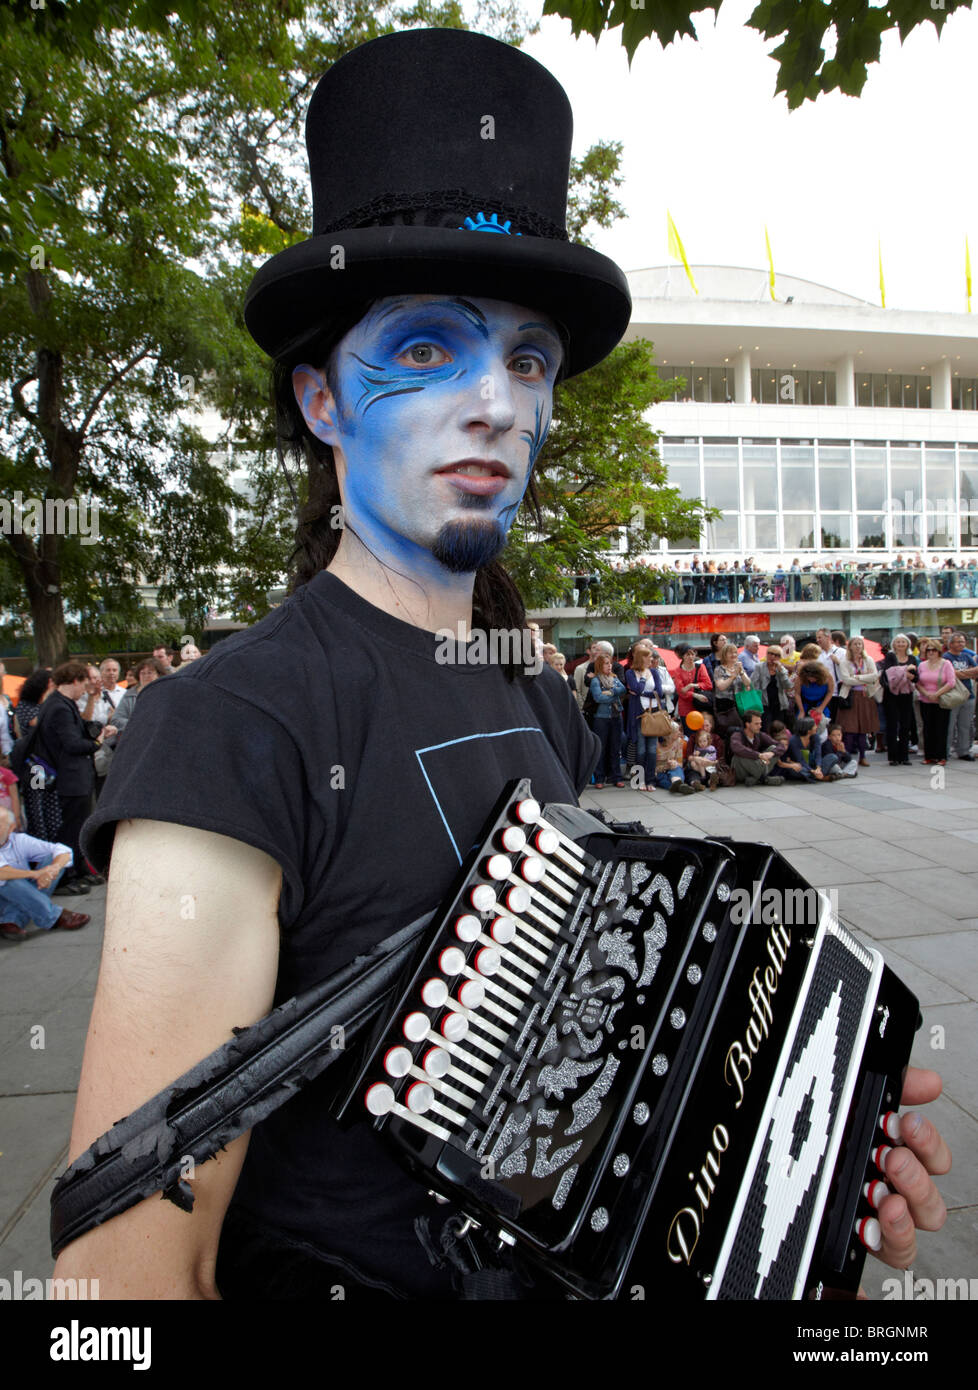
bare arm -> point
(190, 951)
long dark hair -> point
(496, 601)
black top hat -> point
(439, 161)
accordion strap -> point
(231, 1090)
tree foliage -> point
(805, 28)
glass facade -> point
(790, 386)
(793, 386)
(787, 496)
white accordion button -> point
(472, 994)
(517, 899)
(890, 1125)
(397, 1062)
(482, 898)
(527, 811)
(436, 1062)
(546, 841)
(380, 1099)
(533, 868)
(512, 839)
(416, 1027)
(874, 1192)
(499, 866)
(419, 1098)
(454, 1027)
(434, 992)
(451, 962)
(468, 928)
(868, 1231)
(502, 931)
(487, 961)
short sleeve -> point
(194, 754)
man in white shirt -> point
(830, 654)
(30, 870)
(112, 691)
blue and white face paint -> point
(443, 404)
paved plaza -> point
(900, 848)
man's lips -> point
(483, 477)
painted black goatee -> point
(465, 546)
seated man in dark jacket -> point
(804, 760)
(752, 754)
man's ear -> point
(316, 402)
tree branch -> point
(20, 405)
(113, 380)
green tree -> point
(148, 162)
(805, 27)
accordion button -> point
(502, 931)
(890, 1125)
(434, 992)
(397, 1061)
(527, 811)
(546, 841)
(454, 1027)
(517, 899)
(482, 898)
(451, 962)
(420, 1097)
(416, 1027)
(868, 1231)
(380, 1099)
(468, 928)
(512, 839)
(879, 1156)
(436, 1062)
(874, 1192)
(472, 994)
(498, 866)
(487, 961)
(533, 868)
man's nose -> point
(490, 400)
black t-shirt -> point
(333, 737)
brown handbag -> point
(655, 723)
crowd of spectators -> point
(755, 715)
(56, 745)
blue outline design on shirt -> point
(468, 738)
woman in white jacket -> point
(860, 691)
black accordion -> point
(658, 1066)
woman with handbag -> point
(694, 687)
(860, 690)
(606, 691)
(935, 677)
(899, 680)
(729, 679)
(41, 807)
(646, 718)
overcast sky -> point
(705, 136)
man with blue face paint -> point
(331, 769)
(337, 769)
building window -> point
(941, 529)
(797, 487)
(834, 488)
(964, 393)
(799, 532)
(870, 532)
(723, 535)
(721, 486)
(836, 531)
(760, 487)
(761, 533)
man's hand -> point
(915, 1202)
(45, 876)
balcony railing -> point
(814, 584)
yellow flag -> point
(676, 250)
(967, 271)
(770, 261)
(882, 282)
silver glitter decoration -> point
(616, 890)
(640, 999)
(694, 974)
(678, 1018)
(658, 935)
(622, 1045)
(564, 1186)
(723, 891)
(544, 1166)
(660, 1064)
(618, 949)
(546, 1118)
(640, 873)
(641, 1113)
(685, 879)
(599, 1218)
(621, 1165)
(587, 1106)
(709, 932)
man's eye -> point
(529, 366)
(423, 354)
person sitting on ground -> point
(29, 873)
(804, 760)
(848, 766)
(814, 684)
(701, 764)
(669, 763)
(606, 692)
(752, 754)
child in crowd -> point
(669, 763)
(848, 762)
(701, 764)
(10, 797)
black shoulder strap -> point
(239, 1084)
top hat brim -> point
(300, 291)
